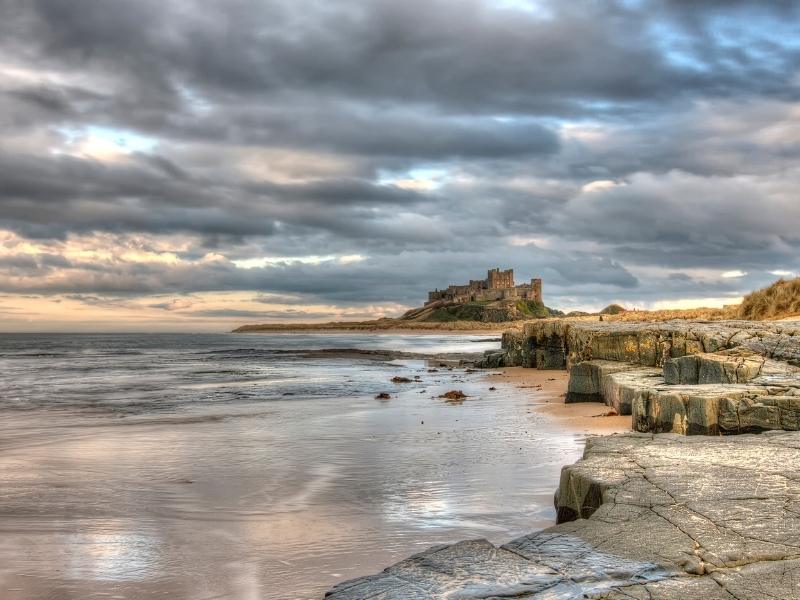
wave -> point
(165, 420)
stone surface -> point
(665, 517)
(724, 367)
(492, 360)
(693, 411)
(560, 343)
(688, 377)
(614, 383)
(769, 401)
(514, 346)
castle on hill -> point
(498, 285)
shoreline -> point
(591, 418)
(697, 502)
(640, 516)
(379, 331)
(387, 326)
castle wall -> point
(498, 285)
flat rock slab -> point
(664, 517)
(689, 377)
(615, 383)
(561, 343)
(768, 398)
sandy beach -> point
(592, 418)
(279, 445)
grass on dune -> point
(780, 300)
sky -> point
(168, 165)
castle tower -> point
(497, 279)
(536, 286)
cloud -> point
(617, 149)
(681, 219)
(735, 274)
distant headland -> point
(494, 303)
(498, 304)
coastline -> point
(699, 501)
(378, 331)
(640, 516)
(302, 473)
(386, 326)
(590, 418)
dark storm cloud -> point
(152, 195)
(678, 219)
(469, 54)
(434, 137)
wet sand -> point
(224, 467)
(593, 418)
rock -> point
(724, 367)
(614, 383)
(401, 380)
(583, 383)
(492, 359)
(454, 396)
(515, 348)
(662, 517)
(683, 369)
(687, 377)
(383, 396)
(560, 343)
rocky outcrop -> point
(561, 343)
(662, 517)
(687, 377)
(714, 410)
(497, 311)
(770, 400)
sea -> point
(255, 466)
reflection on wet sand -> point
(240, 491)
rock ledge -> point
(688, 377)
(659, 517)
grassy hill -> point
(778, 301)
(499, 311)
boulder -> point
(492, 359)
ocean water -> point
(254, 466)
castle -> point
(498, 285)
